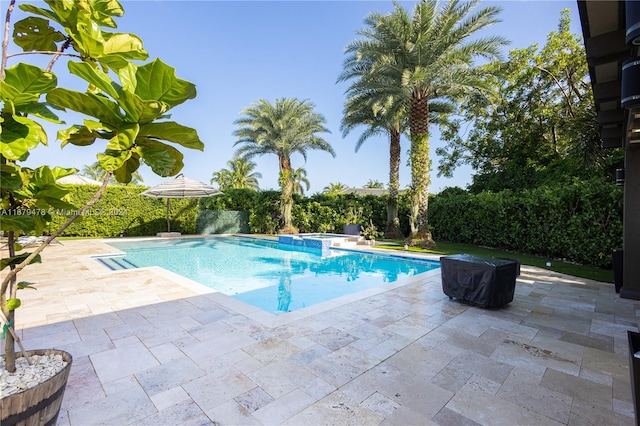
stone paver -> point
(150, 347)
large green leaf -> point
(19, 136)
(153, 110)
(51, 192)
(104, 10)
(113, 160)
(87, 103)
(25, 83)
(132, 105)
(42, 176)
(173, 132)
(60, 172)
(56, 203)
(97, 126)
(124, 173)
(35, 34)
(127, 76)
(18, 259)
(39, 11)
(163, 159)
(127, 46)
(40, 110)
(99, 11)
(20, 223)
(124, 138)
(157, 81)
(77, 135)
(9, 179)
(94, 76)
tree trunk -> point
(9, 343)
(393, 223)
(420, 167)
(286, 195)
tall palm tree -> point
(416, 60)
(286, 127)
(239, 175)
(334, 188)
(300, 181)
(365, 109)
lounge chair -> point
(30, 240)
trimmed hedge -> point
(318, 213)
(123, 211)
(581, 222)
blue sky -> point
(239, 52)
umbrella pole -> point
(168, 221)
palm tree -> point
(416, 61)
(334, 188)
(96, 172)
(239, 175)
(286, 127)
(222, 178)
(299, 179)
(364, 107)
(93, 171)
(374, 184)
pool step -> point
(115, 263)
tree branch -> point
(59, 53)
(5, 39)
(47, 52)
(564, 94)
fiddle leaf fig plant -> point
(126, 104)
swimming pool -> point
(274, 277)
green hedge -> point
(123, 211)
(580, 222)
(318, 213)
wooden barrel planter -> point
(40, 404)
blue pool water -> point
(274, 277)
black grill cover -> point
(485, 281)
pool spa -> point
(319, 241)
(274, 276)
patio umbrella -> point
(78, 180)
(180, 187)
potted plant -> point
(126, 106)
(353, 221)
(370, 233)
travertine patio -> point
(152, 348)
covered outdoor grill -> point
(485, 281)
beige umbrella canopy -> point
(180, 187)
(78, 180)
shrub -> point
(122, 211)
(581, 222)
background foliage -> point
(122, 210)
(581, 221)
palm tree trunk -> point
(420, 165)
(286, 196)
(393, 223)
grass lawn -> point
(568, 268)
